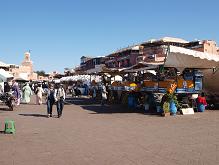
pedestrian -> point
(27, 92)
(16, 92)
(39, 94)
(1, 90)
(103, 94)
(94, 92)
(50, 100)
(201, 102)
(59, 96)
(7, 87)
(86, 89)
(77, 91)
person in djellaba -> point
(27, 92)
(103, 94)
(39, 94)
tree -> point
(41, 73)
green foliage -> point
(166, 107)
(172, 97)
(41, 73)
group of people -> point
(55, 94)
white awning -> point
(185, 58)
(2, 64)
(4, 75)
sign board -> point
(172, 87)
(187, 111)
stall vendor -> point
(201, 102)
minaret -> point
(27, 62)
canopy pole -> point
(167, 53)
(215, 69)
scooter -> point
(8, 99)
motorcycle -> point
(8, 99)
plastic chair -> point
(9, 127)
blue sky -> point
(59, 32)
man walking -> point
(59, 96)
(50, 100)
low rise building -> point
(207, 46)
(123, 58)
(149, 52)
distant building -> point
(25, 70)
(83, 63)
(69, 71)
(150, 52)
(89, 64)
(207, 46)
(123, 58)
(154, 51)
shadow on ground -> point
(80, 101)
(110, 109)
(94, 106)
(4, 109)
(34, 115)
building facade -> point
(207, 46)
(150, 52)
(123, 58)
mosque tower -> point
(27, 61)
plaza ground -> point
(88, 134)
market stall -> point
(180, 73)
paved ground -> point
(93, 135)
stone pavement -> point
(88, 134)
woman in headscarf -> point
(16, 92)
(27, 92)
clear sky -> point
(59, 32)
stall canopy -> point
(141, 66)
(2, 64)
(4, 75)
(23, 77)
(84, 78)
(185, 58)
